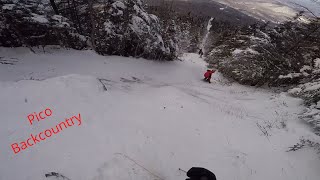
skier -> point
(198, 173)
(201, 53)
(208, 74)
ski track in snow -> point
(141, 114)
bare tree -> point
(93, 24)
(54, 6)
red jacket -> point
(209, 73)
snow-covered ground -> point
(158, 115)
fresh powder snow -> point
(144, 120)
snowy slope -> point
(273, 10)
(158, 115)
(312, 5)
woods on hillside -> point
(284, 55)
(109, 27)
(278, 55)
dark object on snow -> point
(57, 175)
(198, 173)
(201, 53)
(104, 83)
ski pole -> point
(182, 170)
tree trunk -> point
(93, 24)
(54, 6)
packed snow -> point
(144, 120)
